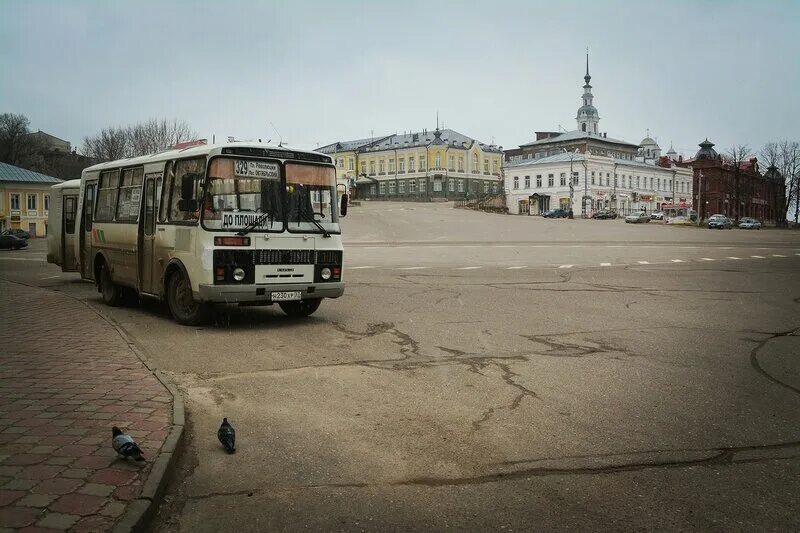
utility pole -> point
(700, 197)
(614, 190)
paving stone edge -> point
(140, 511)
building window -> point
(31, 202)
(363, 167)
(412, 186)
(495, 165)
(401, 165)
(438, 160)
(391, 187)
(401, 187)
(549, 180)
(382, 188)
(460, 185)
(423, 185)
(451, 163)
(460, 164)
(574, 178)
(422, 166)
(475, 162)
(372, 189)
(485, 187)
(15, 201)
(391, 166)
(351, 163)
(411, 164)
(593, 177)
(538, 181)
(47, 202)
(451, 185)
(516, 182)
(527, 182)
(658, 183)
(563, 180)
(340, 162)
(372, 168)
(382, 166)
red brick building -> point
(720, 188)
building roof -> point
(40, 132)
(409, 140)
(576, 135)
(12, 174)
(563, 157)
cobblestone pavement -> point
(67, 376)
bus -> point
(243, 223)
(679, 214)
(61, 219)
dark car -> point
(7, 240)
(556, 213)
(605, 214)
(719, 222)
(19, 233)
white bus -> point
(234, 223)
(61, 220)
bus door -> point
(147, 230)
(69, 210)
(86, 252)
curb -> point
(140, 511)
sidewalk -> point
(66, 377)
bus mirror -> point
(188, 206)
(343, 208)
(187, 186)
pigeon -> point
(123, 444)
(227, 436)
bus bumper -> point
(263, 293)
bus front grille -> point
(284, 257)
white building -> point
(584, 170)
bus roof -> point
(69, 184)
(205, 149)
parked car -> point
(8, 240)
(636, 218)
(20, 233)
(604, 214)
(749, 223)
(556, 213)
(719, 222)
(657, 215)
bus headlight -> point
(238, 274)
(325, 273)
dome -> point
(647, 141)
(706, 151)
(587, 111)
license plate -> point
(285, 296)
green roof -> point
(10, 173)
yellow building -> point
(24, 199)
(418, 166)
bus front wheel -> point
(301, 308)
(111, 292)
(182, 305)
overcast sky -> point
(330, 70)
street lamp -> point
(614, 190)
(571, 185)
(585, 208)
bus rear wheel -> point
(182, 305)
(301, 308)
(111, 292)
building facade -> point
(746, 192)
(24, 199)
(426, 165)
(584, 170)
(626, 186)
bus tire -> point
(182, 305)
(110, 291)
(301, 308)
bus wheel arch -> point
(112, 293)
(178, 295)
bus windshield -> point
(240, 191)
(311, 195)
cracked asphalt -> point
(631, 396)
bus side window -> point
(70, 209)
(196, 168)
(88, 207)
(169, 178)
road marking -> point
(757, 256)
(778, 255)
(796, 254)
(643, 262)
(21, 259)
(566, 266)
(468, 268)
(518, 267)
(605, 264)
(411, 268)
(677, 260)
(706, 259)
(50, 277)
(732, 257)
(360, 267)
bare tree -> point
(144, 138)
(19, 147)
(13, 128)
(736, 156)
(784, 157)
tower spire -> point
(587, 77)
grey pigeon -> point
(124, 445)
(227, 436)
